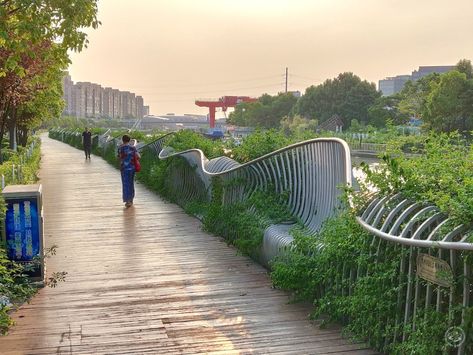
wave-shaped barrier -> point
(311, 174)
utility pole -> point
(286, 81)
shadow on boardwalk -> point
(148, 280)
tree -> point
(267, 112)
(346, 95)
(384, 109)
(35, 36)
(47, 102)
(464, 66)
(297, 125)
(445, 108)
(414, 95)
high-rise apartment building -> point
(68, 86)
(139, 107)
(107, 103)
(80, 100)
(116, 104)
(89, 100)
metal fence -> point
(309, 173)
(13, 174)
(435, 268)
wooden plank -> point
(148, 280)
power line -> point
(318, 80)
(167, 93)
(164, 84)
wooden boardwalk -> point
(148, 280)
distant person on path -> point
(127, 154)
(87, 142)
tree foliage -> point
(446, 104)
(346, 95)
(297, 125)
(267, 112)
(35, 36)
(386, 109)
(414, 95)
(464, 66)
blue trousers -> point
(128, 185)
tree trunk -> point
(2, 132)
(12, 130)
(12, 136)
(23, 136)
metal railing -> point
(434, 272)
(14, 174)
(310, 173)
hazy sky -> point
(174, 51)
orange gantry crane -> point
(224, 102)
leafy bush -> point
(187, 139)
(14, 287)
(258, 144)
(441, 175)
(243, 224)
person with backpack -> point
(129, 159)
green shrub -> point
(258, 144)
(14, 285)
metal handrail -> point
(416, 218)
(203, 159)
(156, 140)
(310, 171)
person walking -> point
(87, 142)
(127, 154)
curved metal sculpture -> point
(310, 173)
(410, 223)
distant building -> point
(85, 99)
(426, 70)
(393, 85)
(139, 107)
(68, 87)
(107, 103)
(79, 97)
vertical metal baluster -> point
(410, 281)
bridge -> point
(148, 280)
